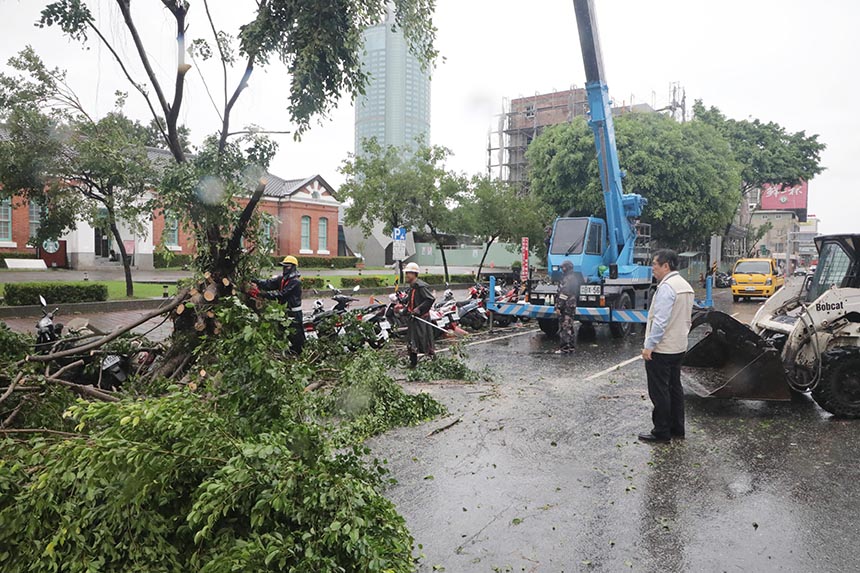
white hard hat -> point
(412, 268)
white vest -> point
(675, 336)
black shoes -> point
(651, 438)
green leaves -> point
(766, 152)
(686, 171)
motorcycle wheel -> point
(376, 342)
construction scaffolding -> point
(520, 122)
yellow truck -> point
(755, 277)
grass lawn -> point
(116, 290)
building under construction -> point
(524, 118)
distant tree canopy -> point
(686, 171)
(766, 152)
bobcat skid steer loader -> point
(805, 338)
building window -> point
(6, 220)
(322, 238)
(171, 230)
(35, 218)
(306, 233)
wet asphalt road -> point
(543, 472)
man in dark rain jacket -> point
(420, 337)
(287, 290)
(565, 306)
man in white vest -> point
(669, 321)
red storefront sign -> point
(784, 196)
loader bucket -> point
(743, 365)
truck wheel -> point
(586, 331)
(502, 319)
(549, 326)
(838, 391)
(621, 329)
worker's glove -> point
(254, 291)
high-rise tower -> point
(395, 108)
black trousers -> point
(297, 333)
(666, 393)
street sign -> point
(524, 272)
(398, 247)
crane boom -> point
(619, 208)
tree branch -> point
(243, 83)
(172, 134)
(12, 386)
(250, 131)
(41, 431)
(177, 300)
(244, 218)
(220, 50)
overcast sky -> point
(794, 62)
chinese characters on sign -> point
(524, 272)
(784, 196)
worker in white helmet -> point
(420, 299)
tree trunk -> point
(126, 263)
(444, 258)
(483, 258)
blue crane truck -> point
(615, 289)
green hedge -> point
(313, 282)
(19, 294)
(362, 281)
(310, 262)
(5, 256)
(160, 260)
(440, 279)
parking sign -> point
(398, 248)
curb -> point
(84, 307)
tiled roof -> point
(277, 187)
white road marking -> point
(613, 368)
(735, 314)
(493, 339)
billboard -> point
(785, 196)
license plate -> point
(482, 311)
(748, 289)
(109, 361)
(312, 335)
(384, 324)
(589, 289)
(443, 320)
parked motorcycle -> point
(445, 314)
(375, 314)
(319, 316)
(722, 280)
(114, 368)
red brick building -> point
(305, 211)
(17, 221)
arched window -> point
(322, 235)
(306, 233)
(5, 219)
(170, 235)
